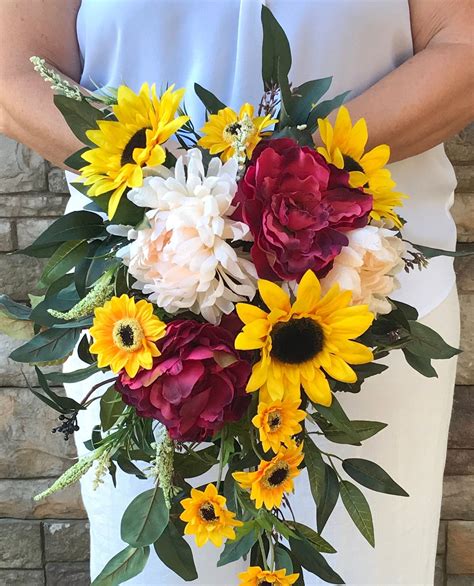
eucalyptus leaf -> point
(363, 429)
(428, 343)
(323, 109)
(145, 518)
(372, 476)
(276, 52)
(358, 508)
(59, 378)
(125, 565)
(305, 97)
(175, 553)
(211, 103)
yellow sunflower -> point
(297, 342)
(272, 478)
(124, 333)
(277, 422)
(255, 576)
(344, 146)
(207, 517)
(222, 128)
(133, 141)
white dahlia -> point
(182, 259)
(368, 267)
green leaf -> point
(145, 518)
(372, 476)
(328, 498)
(283, 560)
(313, 561)
(62, 261)
(47, 346)
(420, 363)
(316, 469)
(211, 103)
(79, 225)
(309, 534)
(276, 52)
(127, 564)
(428, 343)
(175, 552)
(75, 161)
(58, 378)
(190, 465)
(80, 116)
(235, 549)
(305, 97)
(111, 407)
(335, 415)
(14, 309)
(323, 109)
(429, 252)
(363, 429)
(358, 508)
(408, 311)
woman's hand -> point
(430, 97)
(46, 28)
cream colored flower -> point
(368, 267)
(184, 260)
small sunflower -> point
(207, 517)
(272, 478)
(124, 333)
(222, 128)
(344, 146)
(255, 576)
(277, 422)
(143, 123)
(297, 342)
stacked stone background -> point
(47, 542)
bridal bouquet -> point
(231, 295)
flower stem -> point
(272, 552)
(262, 550)
(221, 465)
(95, 387)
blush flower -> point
(195, 386)
(368, 266)
(298, 208)
(184, 260)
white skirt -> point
(412, 449)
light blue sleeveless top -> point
(217, 43)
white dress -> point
(217, 43)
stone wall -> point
(47, 542)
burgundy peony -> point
(195, 386)
(297, 207)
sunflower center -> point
(137, 141)
(297, 340)
(277, 475)
(128, 334)
(351, 165)
(208, 513)
(274, 421)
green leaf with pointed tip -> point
(127, 564)
(420, 363)
(310, 558)
(211, 103)
(235, 549)
(175, 552)
(275, 49)
(283, 560)
(63, 260)
(358, 508)
(80, 116)
(323, 109)
(372, 476)
(428, 343)
(145, 518)
(316, 469)
(111, 407)
(47, 346)
(337, 417)
(311, 535)
(75, 161)
(328, 499)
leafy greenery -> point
(125, 565)
(145, 518)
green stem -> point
(262, 550)
(221, 465)
(272, 553)
(254, 446)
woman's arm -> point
(431, 96)
(46, 28)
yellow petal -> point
(248, 313)
(273, 296)
(318, 389)
(308, 294)
(376, 158)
